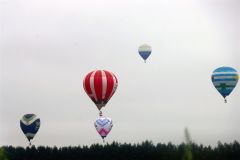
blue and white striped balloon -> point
(225, 80)
(145, 51)
(30, 125)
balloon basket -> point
(225, 101)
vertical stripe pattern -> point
(100, 85)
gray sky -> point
(47, 47)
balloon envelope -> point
(30, 125)
(145, 51)
(100, 85)
(103, 126)
(224, 80)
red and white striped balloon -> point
(100, 85)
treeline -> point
(117, 151)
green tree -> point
(3, 155)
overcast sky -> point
(48, 46)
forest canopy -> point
(124, 151)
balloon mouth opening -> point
(225, 98)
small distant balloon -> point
(225, 80)
(30, 125)
(103, 126)
(144, 51)
(100, 85)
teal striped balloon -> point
(225, 80)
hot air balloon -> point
(225, 79)
(30, 125)
(103, 126)
(100, 85)
(144, 51)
